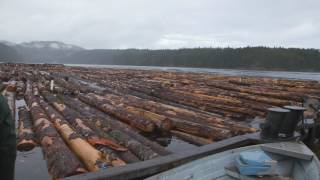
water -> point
(30, 164)
(231, 72)
(177, 145)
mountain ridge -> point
(257, 58)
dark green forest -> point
(258, 58)
(235, 58)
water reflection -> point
(169, 141)
(31, 165)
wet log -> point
(194, 102)
(107, 123)
(20, 89)
(262, 102)
(257, 91)
(192, 138)
(185, 114)
(61, 161)
(140, 150)
(129, 118)
(26, 138)
(87, 153)
(201, 130)
(95, 124)
(162, 122)
(80, 125)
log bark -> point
(78, 122)
(26, 138)
(107, 123)
(20, 89)
(162, 122)
(201, 130)
(140, 150)
(129, 118)
(191, 138)
(87, 153)
(181, 113)
(61, 161)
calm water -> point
(232, 72)
(30, 164)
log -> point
(185, 114)
(20, 89)
(201, 130)
(94, 123)
(87, 153)
(191, 138)
(78, 122)
(26, 138)
(141, 151)
(195, 103)
(162, 122)
(130, 118)
(106, 123)
(61, 162)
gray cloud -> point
(163, 24)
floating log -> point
(162, 122)
(141, 151)
(191, 138)
(130, 118)
(52, 144)
(26, 138)
(87, 153)
(201, 130)
(76, 121)
(185, 114)
(20, 89)
(107, 123)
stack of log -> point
(93, 119)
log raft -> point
(60, 160)
(120, 115)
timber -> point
(53, 146)
(87, 153)
(109, 124)
(122, 117)
(26, 138)
(75, 119)
(140, 150)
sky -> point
(163, 24)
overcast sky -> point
(163, 23)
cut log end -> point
(26, 145)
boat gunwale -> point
(151, 167)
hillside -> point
(8, 54)
(239, 58)
(259, 58)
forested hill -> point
(259, 58)
(239, 58)
(8, 54)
